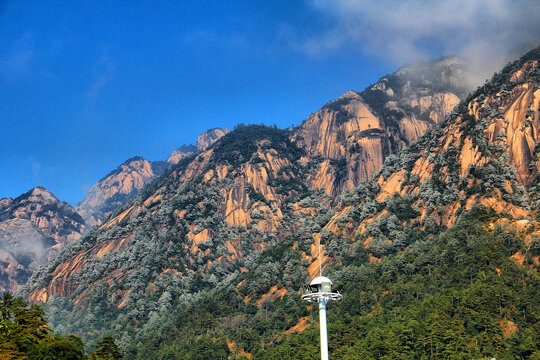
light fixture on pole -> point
(320, 291)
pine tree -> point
(107, 350)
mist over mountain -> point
(356, 132)
(34, 228)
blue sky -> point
(86, 85)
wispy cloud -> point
(104, 72)
(483, 31)
(18, 59)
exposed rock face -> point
(33, 228)
(486, 153)
(56, 219)
(256, 196)
(181, 153)
(22, 249)
(205, 140)
(209, 137)
(356, 132)
(125, 182)
(117, 188)
(239, 186)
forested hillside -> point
(437, 255)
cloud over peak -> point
(482, 31)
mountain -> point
(204, 141)
(34, 227)
(182, 152)
(117, 188)
(209, 137)
(212, 255)
(356, 132)
(122, 184)
(486, 153)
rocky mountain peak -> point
(349, 95)
(53, 217)
(181, 153)
(209, 137)
(356, 132)
(117, 187)
(486, 152)
(34, 227)
(204, 141)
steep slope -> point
(356, 132)
(187, 232)
(204, 141)
(486, 152)
(124, 183)
(117, 188)
(34, 227)
(181, 153)
(209, 137)
(216, 250)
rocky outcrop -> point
(209, 137)
(117, 188)
(125, 182)
(54, 218)
(204, 141)
(356, 132)
(181, 153)
(486, 153)
(34, 227)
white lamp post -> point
(320, 291)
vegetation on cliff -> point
(210, 259)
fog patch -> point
(24, 243)
(484, 32)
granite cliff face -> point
(356, 132)
(117, 188)
(34, 227)
(209, 137)
(204, 141)
(487, 152)
(181, 153)
(124, 183)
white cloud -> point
(104, 70)
(483, 31)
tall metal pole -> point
(321, 292)
(322, 321)
(320, 260)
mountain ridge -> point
(240, 221)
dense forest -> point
(454, 294)
(25, 334)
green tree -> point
(107, 350)
(25, 334)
